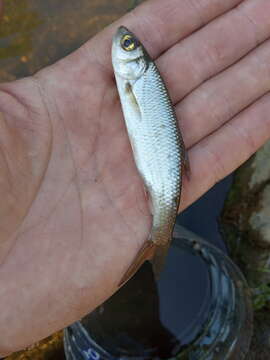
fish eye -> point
(128, 43)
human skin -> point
(73, 210)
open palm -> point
(73, 209)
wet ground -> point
(36, 33)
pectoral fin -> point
(185, 160)
(187, 165)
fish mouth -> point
(121, 32)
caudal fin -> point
(159, 259)
(145, 253)
(149, 251)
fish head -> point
(129, 58)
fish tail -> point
(159, 259)
(145, 253)
(156, 254)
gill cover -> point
(129, 57)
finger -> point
(159, 24)
(222, 152)
(1, 8)
(222, 97)
(216, 46)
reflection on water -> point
(36, 33)
(145, 319)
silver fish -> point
(155, 139)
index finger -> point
(159, 24)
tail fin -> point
(149, 251)
(159, 259)
(145, 253)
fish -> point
(156, 142)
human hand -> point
(73, 210)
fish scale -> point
(158, 145)
(155, 139)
